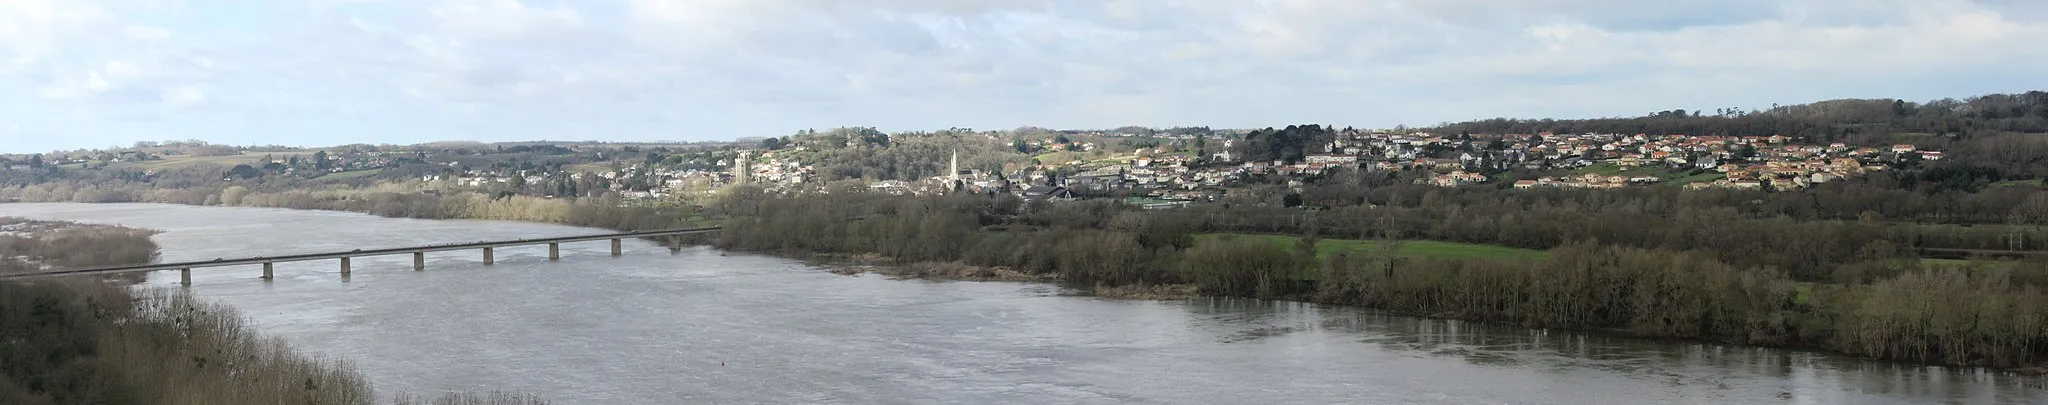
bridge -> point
(419, 255)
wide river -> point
(704, 326)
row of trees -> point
(1863, 121)
(1823, 250)
(1290, 144)
(1913, 316)
(1988, 138)
(1679, 285)
(84, 340)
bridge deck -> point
(352, 253)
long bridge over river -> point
(419, 255)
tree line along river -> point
(706, 326)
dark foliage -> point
(1707, 273)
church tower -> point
(954, 173)
(742, 168)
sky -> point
(91, 74)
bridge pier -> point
(267, 267)
(344, 267)
(185, 276)
(675, 245)
(616, 247)
(488, 260)
(554, 251)
(419, 261)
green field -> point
(1802, 292)
(1409, 248)
(183, 161)
(1931, 262)
(588, 168)
(1701, 178)
(2034, 183)
(1945, 262)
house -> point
(1902, 148)
(896, 187)
(1930, 155)
(1048, 193)
(1096, 181)
(1154, 203)
(1340, 159)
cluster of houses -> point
(1589, 180)
(1773, 162)
(1791, 167)
(1743, 162)
(1165, 179)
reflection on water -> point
(701, 326)
(1811, 377)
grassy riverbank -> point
(1412, 249)
(1888, 306)
(1895, 310)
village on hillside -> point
(1584, 161)
(1174, 169)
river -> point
(703, 326)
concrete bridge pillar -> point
(675, 245)
(554, 251)
(267, 267)
(419, 261)
(488, 260)
(344, 267)
(185, 276)
(616, 247)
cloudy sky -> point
(77, 73)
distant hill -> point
(1855, 121)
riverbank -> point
(96, 340)
(787, 332)
(1694, 297)
(1893, 310)
(30, 245)
(1777, 331)
(107, 340)
(854, 265)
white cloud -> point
(92, 82)
(520, 68)
(182, 96)
(503, 19)
(36, 27)
(145, 33)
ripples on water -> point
(706, 327)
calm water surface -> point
(704, 326)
